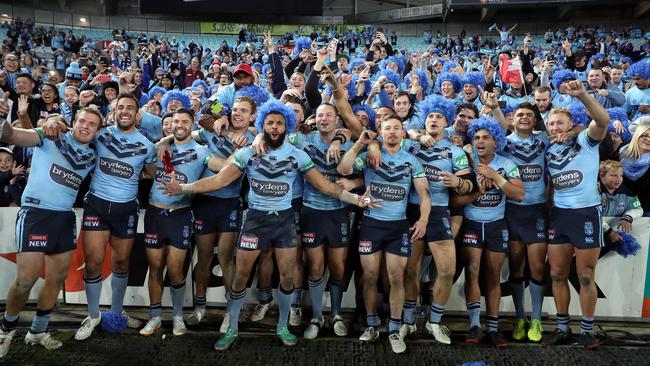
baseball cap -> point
(243, 68)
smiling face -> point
(558, 122)
(470, 92)
(86, 126)
(524, 120)
(463, 119)
(242, 115)
(402, 106)
(447, 89)
(181, 126)
(125, 113)
(48, 93)
(326, 117)
(6, 161)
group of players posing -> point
(495, 189)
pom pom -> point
(175, 95)
(369, 111)
(561, 76)
(113, 322)
(436, 103)
(579, 114)
(640, 69)
(475, 78)
(492, 127)
(627, 246)
(450, 77)
(274, 105)
(392, 76)
(156, 90)
(301, 44)
(259, 95)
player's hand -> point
(449, 180)
(418, 229)
(561, 138)
(258, 145)
(365, 201)
(614, 237)
(220, 126)
(171, 188)
(486, 171)
(374, 156)
(575, 88)
(240, 141)
(334, 152)
(53, 128)
(367, 137)
(426, 140)
(4, 106)
(163, 148)
(625, 225)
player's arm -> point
(216, 163)
(421, 185)
(513, 188)
(150, 169)
(346, 165)
(316, 179)
(225, 176)
(19, 136)
(598, 128)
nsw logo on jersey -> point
(271, 168)
(566, 180)
(115, 168)
(530, 173)
(268, 188)
(65, 177)
(120, 148)
(387, 192)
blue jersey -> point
(573, 167)
(222, 147)
(271, 176)
(189, 161)
(491, 205)
(562, 100)
(634, 98)
(120, 158)
(443, 156)
(528, 154)
(391, 182)
(58, 168)
(316, 148)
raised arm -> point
(18, 136)
(598, 128)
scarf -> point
(635, 169)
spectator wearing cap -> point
(72, 77)
(243, 76)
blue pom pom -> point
(450, 77)
(113, 322)
(274, 105)
(492, 127)
(266, 69)
(627, 246)
(562, 75)
(369, 111)
(436, 103)
(254, 92)
(198, 82)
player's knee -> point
(472, 268)
(24, 285)
(559, 277)
(446, 274)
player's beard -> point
(273, 144)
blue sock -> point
(178, 293)
(316, 290)
(537, 296)
(373, 320)
(284, 303)
(40, 321)
(562, 321)
(474, 312)
(295, 297)
(266, 295)
(408, 310)
(436, 313)
(492, 323)
(154, 310)
(517, 284)
(336, 296)
(93, 291)
(586, 324)
(9, 322)
(237, 299)
(119, 282)
(199, 302)
(394, 324)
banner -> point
(274, 29)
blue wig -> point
(368, 85)
(397, 60)
(356, 62)
(392, 76)
(579, 114)
(436, 103)
(475, 78)
(619, 113)
(492, 127)
(561, 76)
(212, 88)
(257, 94)
(448, 66)
(265, 69)
(155, 90)
(274, 105)
(627, 246)
(144, 98)
(175, 95)
(198, 82)
(640, 69)
(424, 81)
(302, 43)
(113, 322)
(256, 65)
(450, 77)
(369, 111)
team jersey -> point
(189, 161)
(634, 98)
(491, 205)
(573, 167)
(562, 100)
(271, 176)
(391, 182)
(58, 168)
(222, 147)
(316, 148)
(620, 203)
(120, 159)
(443, 156)
(528, 154)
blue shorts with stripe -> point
(45, 231)
(581, 227)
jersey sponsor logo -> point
(248, 242)
(269, 189)
(551, 234)
(91, 221)
(309, 238)
(65, 177)
(387, 192)
(365, 246)
(37, 241)
(530, 173)
(198, 225)
(115, 168)
(566, 180)
(470, 239)
(488, 199)
(166, 177)
(432, 172)
(151, 239)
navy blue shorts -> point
(492, 236)
(325, 227)
(527, 224)
(162, 227)
(457, 211)
(296, 205)
(121, 219)
(438, 227)
(214, 215)
(45, 231)
(582, 227)
(263, 230)
(388, 236)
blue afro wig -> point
(356, 62)
(155, 90)
(301, 44)
(398, 60)
(113, 322)
(492, 127)
(619, 114)
(202, 83)
(640, 69)
(424, 81)
(392, 76)
(627, 246)
(259, 95)
(436, 103)
(450, 77)
(561, 76)
(212, 88)
(369, 111)
(448, 66)
(257, 65)
(475, 78)
(175, 95)
(144, 98)
(275, 106)
(579, 114)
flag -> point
(510, 70)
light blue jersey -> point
(573, 167)
(58, 168)
(189, 161)
(491, 205)
(120, 159)
(271, 176)
(391, 182)
(528, 154)
(443, 156)
(562, 100)
(222, 147)
(634, 98)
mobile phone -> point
(216, 107)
